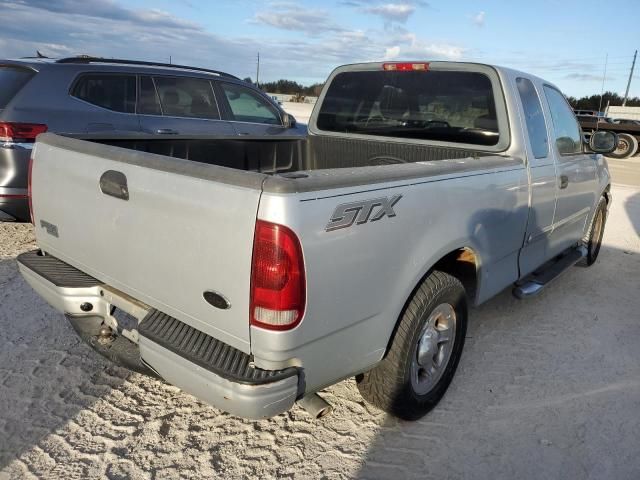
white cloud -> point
(410, 47)
(586, 77)
(289, 16)
(478, 19)
(398, 12)
(392, 53)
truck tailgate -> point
(185, 229)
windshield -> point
(448, 106)
(12, 79)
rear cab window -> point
(461, 105)
(12, 79)
(114, 92)
(534, 117)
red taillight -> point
(29, 194)
(277, 278)
(20, 132)
(405, 67)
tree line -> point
(289, 87)
(592, 102)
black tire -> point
(627, 146)
(592, 241)
(389, 385)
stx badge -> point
(346, 214)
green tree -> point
(289, 87)
(592, 102)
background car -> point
(93, 95)
(625, 121)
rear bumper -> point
(14, 205)
(14, 169)
(199, 364)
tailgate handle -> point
(114, 184)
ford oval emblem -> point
(217, 300)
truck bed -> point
(284, 154)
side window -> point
(186, 97)
(566, 128)
(148, 101)
(534, 117)
(248, 106)
(113, 92)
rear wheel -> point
(627, 146)
(424, 352)
(593, 239)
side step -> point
(533, 283)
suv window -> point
(113, 92)
(186, 97)
(534, 117)
(566, 128)
(426, 105)
(12, 79)
(248, 106)
(148, 101)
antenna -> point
(258, 72)
(626, 94)
(604, 77)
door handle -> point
(564, 181)
(114, 184)
(166, 131)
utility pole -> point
(626, 94)
(258, 72)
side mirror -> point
(603, 141)
(288, 121)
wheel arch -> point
(606, 193)
(462, 263)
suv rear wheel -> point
(424, 352)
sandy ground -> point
(547, 388)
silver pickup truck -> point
(255, 272)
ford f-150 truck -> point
(255, 272)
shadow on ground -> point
(632, 205)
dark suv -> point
(92, 95)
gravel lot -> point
(547, 388)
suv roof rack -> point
(88, 59)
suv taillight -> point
(278, 294)
(29, 193)
(20, 132)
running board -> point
(533, 283)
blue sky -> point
(301, 40)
